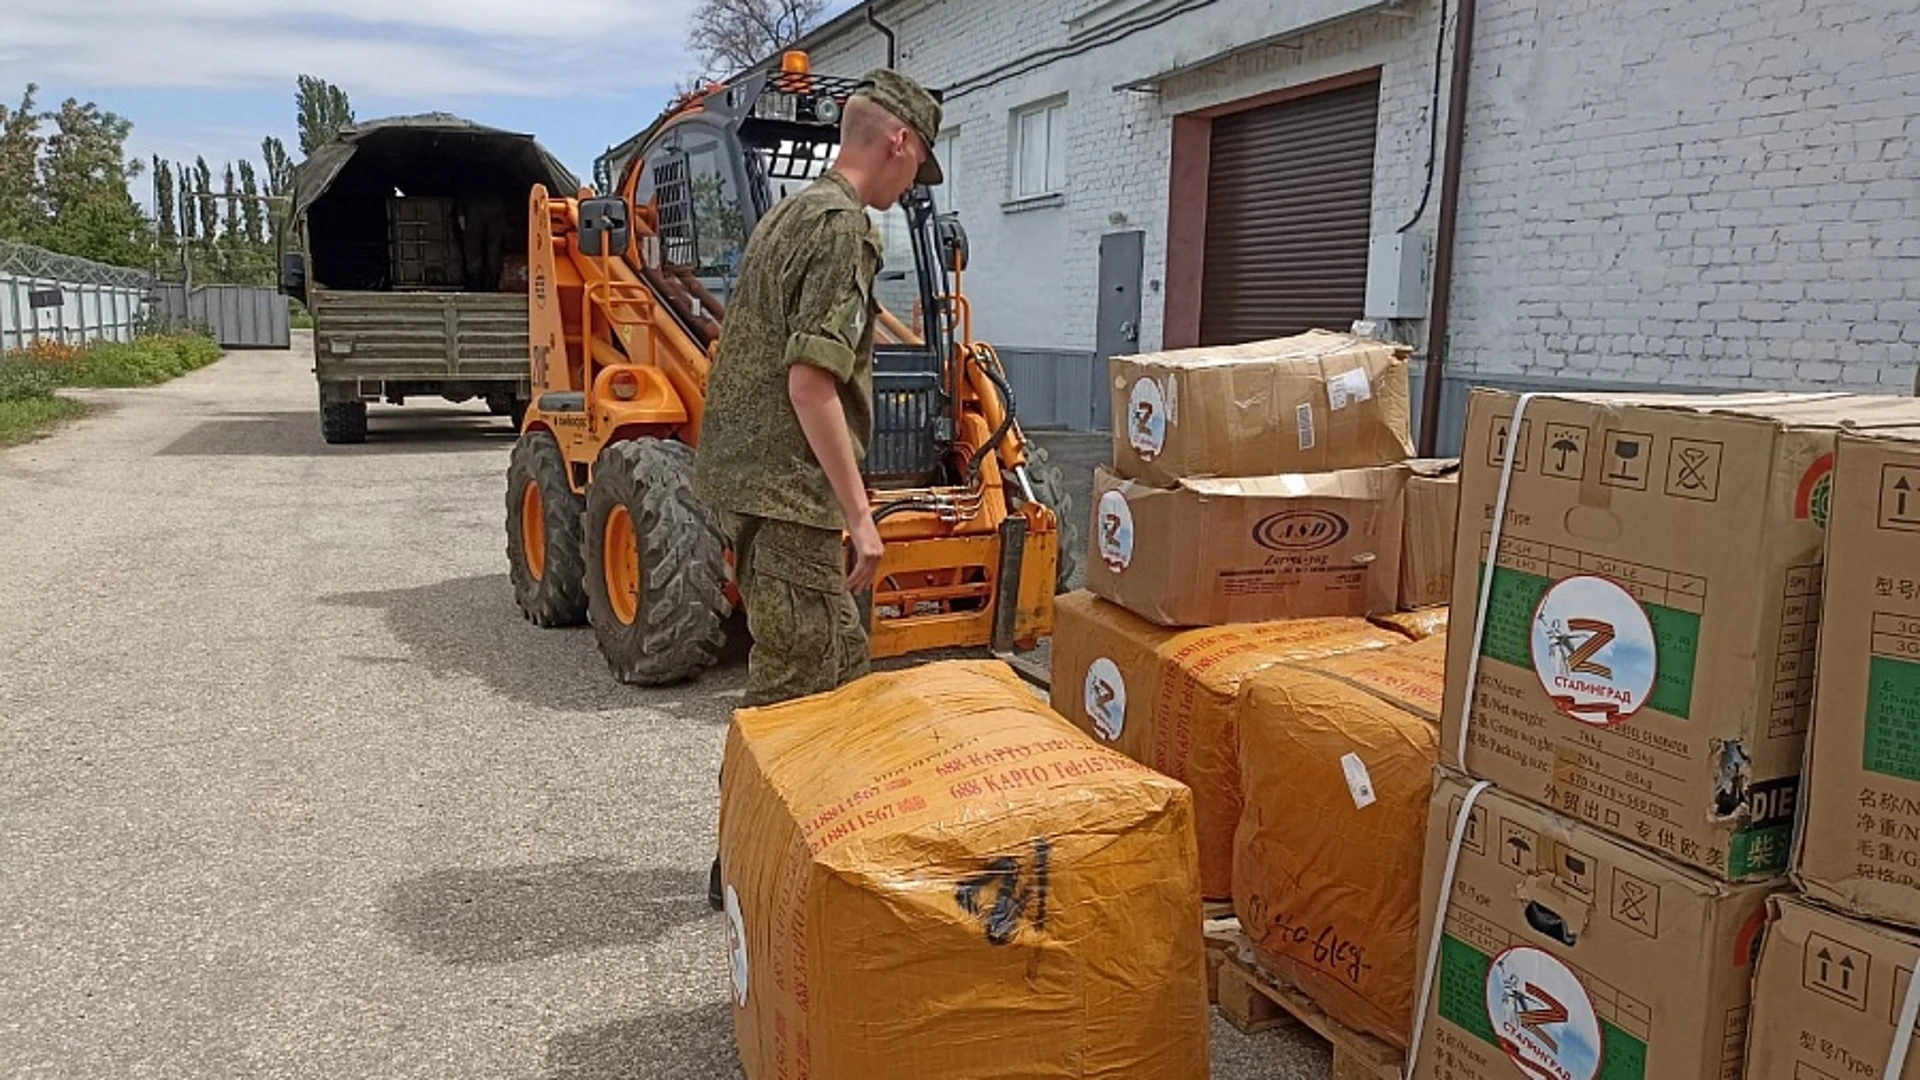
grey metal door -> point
(1117, 325)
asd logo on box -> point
(1300, 530)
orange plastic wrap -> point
(929, 874)
(1338, 758)
(1166, 698)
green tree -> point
(273, 154)
(204, 203)
(323, 112)
(166, 211)
(20, 213)
(83, 188)
(251, 210)
(189, 218)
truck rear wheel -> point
(343, 422)
(544, 552)
(1050, 484)
(656, 565)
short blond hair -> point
(865, 122)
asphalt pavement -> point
(289, 788)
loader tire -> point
(343, 422)
(656, 565)
(544, 551)
(1050, 484)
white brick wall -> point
(1720, 193)
(1036, 271)
(1717, 194)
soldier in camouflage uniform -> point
(790, 400)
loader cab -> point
(711, 174)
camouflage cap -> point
(913, 106)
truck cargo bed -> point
(419, 335)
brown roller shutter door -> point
(1289, 210)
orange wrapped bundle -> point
(1419, 624)
(929, 874)
(1338, 758)
(1166, 698)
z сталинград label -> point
(1546, 1018)
(1515, 606)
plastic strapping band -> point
(1903, 1031)
(1431, 971)
(1486, 574)
(1440, 921)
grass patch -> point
(23, 421)
(29, 379)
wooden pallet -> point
(1254, 1001)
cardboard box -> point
(929, 873)
(1859, 848)
(1568, 953)
(1316, 402)
(1649, 650)
(1209, 552)
(1426, 550)
(1167, 698)
(1828, 998)
(1337, 759)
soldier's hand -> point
(867, 550)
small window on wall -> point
(1040, 150)
(946, 196)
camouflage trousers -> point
(808, 635)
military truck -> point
(406, 239)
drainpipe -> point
(892, 41)
(1442, 304)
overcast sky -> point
(213, 77)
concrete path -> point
(288, 788)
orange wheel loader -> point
(627, 297)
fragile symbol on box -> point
(1626, 460)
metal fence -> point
(44, 295)
(238, 316)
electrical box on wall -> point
(1399, 270)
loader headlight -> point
(827, 110)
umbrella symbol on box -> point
(1565, 447)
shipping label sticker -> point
(1348, 388)
(1147, 417)
(1105, 697)
(1359, 782)
(1303, 420)
(738, 972)
(1593, 650)
(1542, 1017)
(1116, 532)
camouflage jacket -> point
(805, 296)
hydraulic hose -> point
(1006, 425)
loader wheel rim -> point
(533, 530)
(621, 556)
